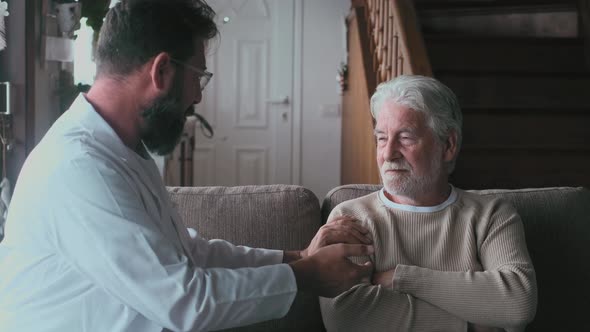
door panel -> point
(252, 62)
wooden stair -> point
(525, 96)
(520, 71)
(518, 54)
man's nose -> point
(391, 150)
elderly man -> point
(93, 242)
(445, 259)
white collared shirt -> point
(92, 243)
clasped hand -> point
(324, 267)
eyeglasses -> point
(202, 75)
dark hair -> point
(136, 30)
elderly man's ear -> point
(450, 147)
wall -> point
(14, 71)
(359, 164)
(45, 77)
(47, 107)
(323, 48)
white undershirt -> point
(411, 208)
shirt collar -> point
(88, 117)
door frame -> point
(297, 93)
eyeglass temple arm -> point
(205, 123)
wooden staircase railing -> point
(386, 35)
(396, 43)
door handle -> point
(280, 101)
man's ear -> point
(162, 72)
(451, 146)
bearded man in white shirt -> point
(92, 240)
(445, 259)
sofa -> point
(556, 220)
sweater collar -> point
(424, 209)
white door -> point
(248, 101)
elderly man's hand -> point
(384, 278)
(329, 272)
(342, 229)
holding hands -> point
(341, 229)
(323, 267)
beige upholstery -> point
(277, 216)
(557, 227)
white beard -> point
(408, 184)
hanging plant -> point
(342, 77)
(3, 13)
(3, 8)
(94, 11)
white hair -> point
(426, 95)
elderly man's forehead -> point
(396, 107)
(400, 114)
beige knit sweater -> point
(463, 261)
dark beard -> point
(164, 124)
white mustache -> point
(395, 166)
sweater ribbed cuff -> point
(399, 277)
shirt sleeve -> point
(220, 253)
(504, 294)
(383, 309)
(104, 231)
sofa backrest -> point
(557, 229)
(276, 217)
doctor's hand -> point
(341, 229)
(329, 272)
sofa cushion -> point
(276, 216)
(557, 229)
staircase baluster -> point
(395, 53)
(388, 32)
(382, 40)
